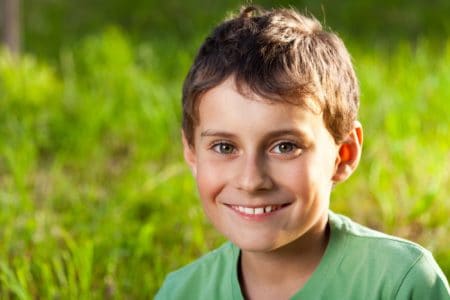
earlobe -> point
(349, 154)
(189, 154)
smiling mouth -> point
(257, 210)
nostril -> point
(254, 185)
(254, 175)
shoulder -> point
(424, 280)
(213, 259)
(394, 265)
(357, 235)
(200, 278)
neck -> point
(282, 272)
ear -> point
(349, 153)
(189, 154)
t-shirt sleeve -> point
(424, 280)
(173, 290)
(162, 294)
(170, 290)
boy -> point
(269, 126)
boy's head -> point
(279, 55)
(269, 126)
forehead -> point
(226, 108)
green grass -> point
(96, 203)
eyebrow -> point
(301, 134)
(273, 134)
(216, 133)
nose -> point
(254, 175)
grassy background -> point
(95, 200)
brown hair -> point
(279, 55)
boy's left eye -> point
(284, 148)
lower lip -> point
(257, 217)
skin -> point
(250, 154)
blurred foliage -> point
(95, 201)
(366, 21)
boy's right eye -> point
(224, 148)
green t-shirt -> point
(359, 263)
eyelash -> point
(294, 147)
(216, 147)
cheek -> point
(301, 183)
(307, 177)
(209, 182)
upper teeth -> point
(256, 210)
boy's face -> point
(264, 170)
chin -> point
(255, 245)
